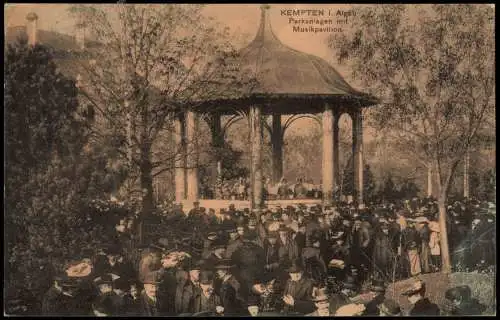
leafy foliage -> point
(51, 174)
(153, 62)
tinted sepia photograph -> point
(249, 160)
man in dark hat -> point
(218, 253)
(234, 241)
(232, 294)
(348, 291)
(104, 306)
(339, 252)
(151, 259)
(205, 299)
(271, 253)
(300, 237)
(384, 252)
(377, 297)
(117, 264)
(288, 249)
(263, 294)
(421, 305)
(313, 261)
(322, 304)
(151, 300)
(389, 308)
(188, 287)
(250, 260)
(461, 303)
(104, 283)
(297, 295)
(124, 301)
(360, 242)
(211, 237)
(61, 298)
(196, 211)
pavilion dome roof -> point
(281, 70)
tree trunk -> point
(445, 251)
(146, 179)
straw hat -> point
(352, 309)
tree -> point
(48, 174)
(435, 75)
(368, 184)
(157, 61)
(389, 191)
(409, 189)
(42, 117)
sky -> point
(241, 18)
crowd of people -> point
(238, 189)
(298, 260)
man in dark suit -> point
(205, 299)
(232, 294)
(62, 298)
(187, 288)
(250, 260)
(421, 305)
(150, 300)
(297, 295)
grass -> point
(482, 286)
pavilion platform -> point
(242, 204)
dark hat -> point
(107, 278)
(219, 243)
(349, 283)
(417, 287)
(296, 266)
(153, 277)
(206, 277)
(121, 284)
(390, 307)
(194, 264)
(377, 286)
(161, 244)
(224, 264)
(112, 249)
(250, 236)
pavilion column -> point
(192, 121)
(466, 174)
(180, 158)
(357, 150)
(328, 157)
(336, 162)
(217, 138)
(277, 146)
(256, 147)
